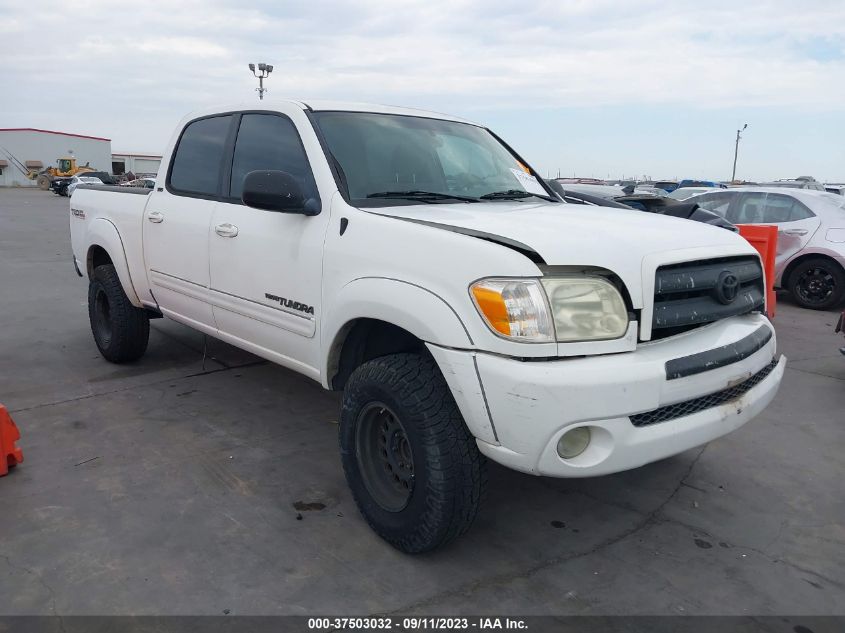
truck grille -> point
(694, 293)
(695, 405)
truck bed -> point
(115, 213)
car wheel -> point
(414, 469)
(120, 330)
(818, 284)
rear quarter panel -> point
(111, 218)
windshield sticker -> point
(529, 182)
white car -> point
(810, 259)
(802, 182)
(75, 181)
(418, 264)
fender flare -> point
(413, 308)
(104, 234)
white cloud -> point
(136, 70)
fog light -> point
(574, 442)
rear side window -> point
(782, 208)
(750, 210)
(268, 141)
(196, 163)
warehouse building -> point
(29, 150)
(138, 164)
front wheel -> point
(818, 284)
(415, 470)
(120, 330)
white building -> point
(22, 149)
(138, 164)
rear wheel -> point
(414, 469)
(818, 284)
(120, 330)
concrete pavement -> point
(184, 485)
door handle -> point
(226, 230)
(794, 231)
(155, 216)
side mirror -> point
(277, 191)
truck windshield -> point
(388, 159)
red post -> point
(10, 455)
(765, 240)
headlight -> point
(586, 308)
(566, 309)
(514, 308)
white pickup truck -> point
(416, 262)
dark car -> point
(626, 198)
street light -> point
(736, 150)
(264, 71)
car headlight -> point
(586, 308)
(565, 309)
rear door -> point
(177, 220)
(266, 266)
(796, 223)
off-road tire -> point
(449, 473)
(830, 271)
(120, 330)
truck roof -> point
(320, 105)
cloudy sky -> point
(586, 87)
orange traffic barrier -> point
(765, 240)
(10, 455)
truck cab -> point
(417, 263)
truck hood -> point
(618, 240)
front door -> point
(266, 266)
(177, 220)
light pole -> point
(736, 150)
(264, 71)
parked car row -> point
(671, 186)
(637, 198)
(66, 186)
(810, 261)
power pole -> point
(736, 150)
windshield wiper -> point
(420, 195)
(510, 194)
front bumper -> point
(518, 410)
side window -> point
(750, 210)
(268, 141)
(783, 208)
(196, 163)
(716, 202)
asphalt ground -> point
(189, 485)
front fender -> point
(104, 234)
(413, 308)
